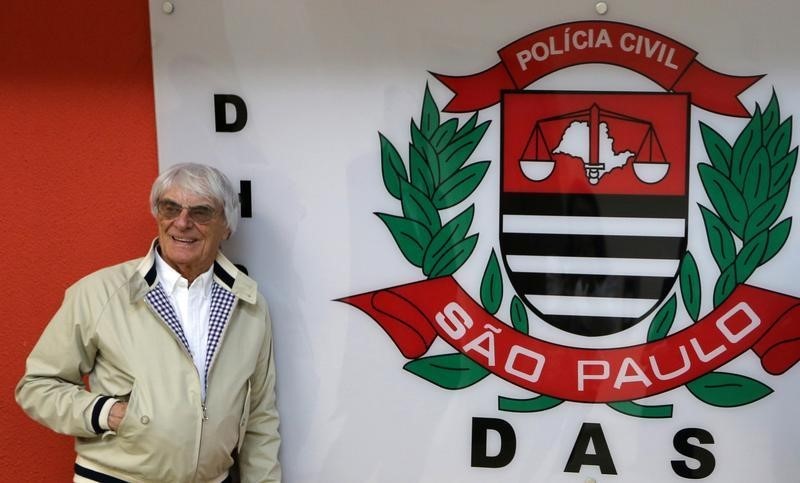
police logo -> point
(594, 203)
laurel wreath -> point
(747, 184)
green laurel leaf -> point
(467, 127)
(446, 238)
(766, 214)
(720, 240)
(426, 149)
(456, 154)
(412, 237)
(662, 322)
(745, 148)
(451, 261)
(725, 285)
(778, 144)
(531, 405)
(631, 408)
(691, 290)
(723, 389)
(460, 185)
(449, 371)
(418, 207)
(392, 167)
(718, 150)
(444, 134)
(757, 180)
(782, 171)
(725, 197)
(429, 119)
(421, 175)
(492, 286)
(770, 120)
(776, 239)
(749, 257)
(519, 315)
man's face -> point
(186, 245)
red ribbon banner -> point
(661, 59)
(414, 315)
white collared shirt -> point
(192, 305)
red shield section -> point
(593, 203)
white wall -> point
(320, 79)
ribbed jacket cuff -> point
(102, 407)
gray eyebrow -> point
(185, 206)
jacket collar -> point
(226, 275)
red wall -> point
(78, 154)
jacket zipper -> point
(208, 376)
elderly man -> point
(177, 347)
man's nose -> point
(184, 220)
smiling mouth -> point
(184, 241)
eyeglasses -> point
(200, 214)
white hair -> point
(199, 180)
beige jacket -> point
(114, 327)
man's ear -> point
(228, 234)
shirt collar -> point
(169, 277)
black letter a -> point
(508, 443)
(591, 432)
(220, 118)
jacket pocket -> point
(130, 412)
(245, 417)
(124, 397)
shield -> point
(593, 203)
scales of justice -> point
(649, 163)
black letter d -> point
(239, 120)
(508, 443)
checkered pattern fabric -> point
(221, 304)
(158, 300)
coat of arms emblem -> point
(593, 203)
